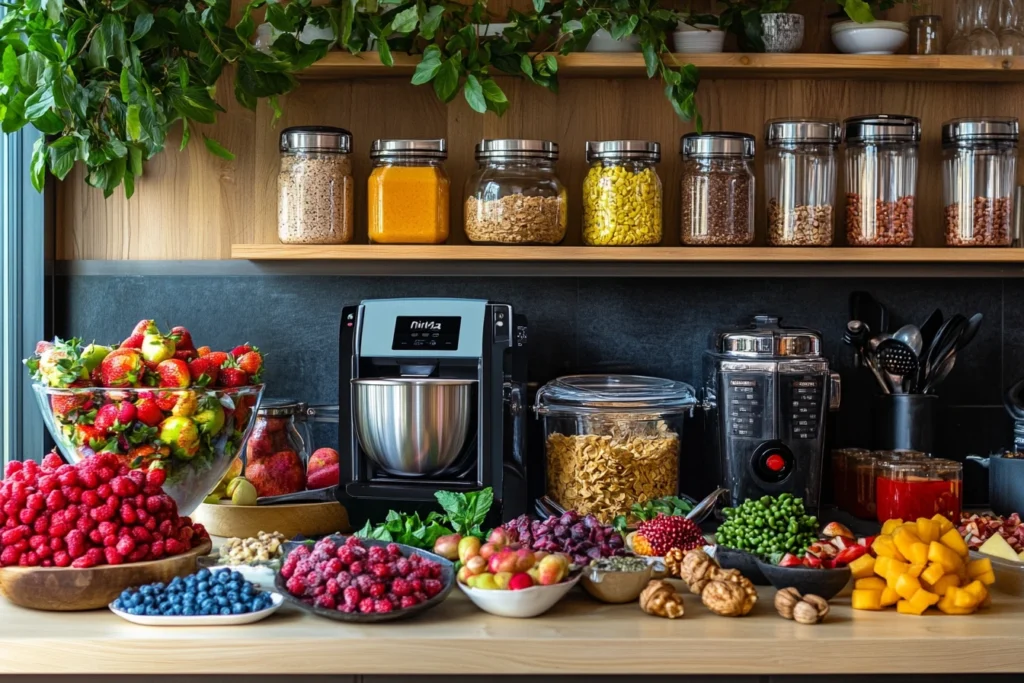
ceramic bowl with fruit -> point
(155, 402)
(363, 581)
(617, 580)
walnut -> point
(661, 600)
(807, 609)
(732, 596)
(674, 562)
(697, 568)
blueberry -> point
(222, 601)
(248, 590)
(159, 586)
(225, 610)
(203, 586)
(202, 595)
(206, 604)
(237, 576)
(137, 610)
(217, 590)
(203, 574)
(256, 605)
(136, 599)
(148, 600)
(117, 604)
(173, 611)
(238, 608)
(188, 610)
(126, 595)
(152, 612)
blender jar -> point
(612, 440)
(979, 175)
(280, 443)
(921, 487)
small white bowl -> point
(259, 575)
(208, 620)
(602, 41)
(872, 38)
(521, 604)
(697, 39)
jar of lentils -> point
(881, 179)
(622, 194)
(315, 186)
(717, 198)
(515, 196)
(979, 174)
(800, 172)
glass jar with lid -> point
(717, 200)
(920, 487)
(842, 491)
(979, 175)
(862, 470)
(881, 179)
(315, 186)
(407, 192)
(280, 442)
(612, 440)
(800, 172)
(622, 194)
(515, 195)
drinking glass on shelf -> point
(1010, 31)
(958, 41)
(982, 39)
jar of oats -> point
(612, 440)
(315, 186)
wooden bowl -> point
(66, 589)
(290, 519)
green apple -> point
(211, 418)
(93, 355)
(181, 435)
(242, 491)
(157, 348)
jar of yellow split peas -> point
(622, 194)
(407, 197)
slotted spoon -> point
(899, 362)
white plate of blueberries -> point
(210, 597)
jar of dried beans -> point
(622, 194)
(407, 192)
(515, 196)
(800, 173)
(315, 187)
(881, 179)
(717, 202)
(979, 174)
(612, 440)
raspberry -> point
(356, 568)
(417, 584)
(107, 529)
(139, 554)
(52, 461)
(394, 552)
(344, 579)
(347, 609)
(327, 601)
(128, 515)
(351, 595)
(12, 536)
(103, 512)
(13, 467)
(141, 534)
(91, 498)
(41, 525)
(123, 486)
(103, 491)
(328, 546)
(381, 606)
(27, 515)
(68, 477)
(173, 546)
(75, 541)
(56, 500)
(56, 544)
(314, 578)
(377, 590)
(332, 566)
(377, 555)
(353, 542)
(154, 504)
(156, 478)
(288, 568)
(366, 605)
(61, 558)
(421, 596)
(409, 601)
(381, 571)
(112, 556)
(37, 541)
(432, 587)
(83, 562)
(332, 587)
(401, 587)
(363, 583)
(319, 555)
(126, 546)
(403, 567)
(345, 555)
(10, 555)
(296, 586)
(105, 473)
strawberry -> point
(251, 362)
(233, 377)
(812, 562)
(89, 435)
(218, 358)
(203, 367)
(65, 404)
(185, 355)
(182, 338)
(239, 351)
(829, 564)
(105, 418)
(122, 368)
(866, 541)
(790, 560)
(174, 374)
(148, 412)
(850, 554)
(133, 342)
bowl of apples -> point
(509, 581)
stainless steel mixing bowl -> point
(412, 426)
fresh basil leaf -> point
(474, 94)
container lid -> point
(316, 139)
(983, 129)
(919, 468)
(628, 149)
(433, 149)
(280, 407)
(883, 128)
(576, 394)
(717, 145)
(764, 337)
(820, 131)
(517, 149)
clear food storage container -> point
(407, 192)
(862, 472)
(800, 176)
(279, 447)
(515, 196)
(717, 200)
(881, 179)
(315, 186)
(612, 440)
(979, 174)
(919, 487)
(622, 194)
(841, 489)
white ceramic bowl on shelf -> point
(871, 38)
(698, 39)
(602, 41)
(521, 604)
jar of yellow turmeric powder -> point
(407, 199)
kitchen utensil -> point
(1005, 482)
(412, 426)
(702, 509)
(906, 422)
(825, 583)
(209, 620)
(970, 330)
(768, 388)
(1013, 400)
(911, 336)
(876, 340)
(940, 373)
(856, 335)
(929, 327)
(897, 361)
(945, 339)
(872, 364)
(246, 521)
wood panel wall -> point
(191, 205)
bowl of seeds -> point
(617, 579)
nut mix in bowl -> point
(155, 402)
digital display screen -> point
(434, 333)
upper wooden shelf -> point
(725, 65)
(574, 254)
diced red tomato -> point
(812, 562)
(791, 560)
(850, 554)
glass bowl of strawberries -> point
(155, 401)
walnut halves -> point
(723, 591)
(807, 609)
(661, 600)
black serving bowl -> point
(746, 563)
(447, 578)
(825, 583)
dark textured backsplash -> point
(655, 326)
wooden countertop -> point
(579, 636)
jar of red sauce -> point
(862, 471)
(919, 488)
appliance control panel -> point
(744, 405)
(426, 333)
(802, 398)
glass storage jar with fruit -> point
(922, 487)
(612, 440)
(278, 448)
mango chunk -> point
(976, 568)
(962, 598)
(944, 524)
(932, 573)
(950, 561)
(942, 586)
(885, 547)
(928, 530)
(904, 539)
(924, 599)
(906, 586)
(977, 589)
(890, 525)
(872, 583)
(955, 542)
(863, 567)
(907, 607)
(881, 566)
(889, 597)
(916, 570)
(866, 599)
(946, 606)
(918, 554)
(987, 578)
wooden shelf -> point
(725, 65)
(573, 254)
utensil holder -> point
(906, 422)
